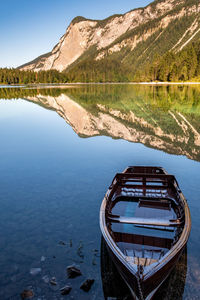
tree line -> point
(16, 76)
(173, 67)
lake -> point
(60, 149)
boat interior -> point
(144, 214)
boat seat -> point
(144, 221)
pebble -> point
(95, 250)
(86, 285)
(27, 294)
(45, 279)
(62, 243)
(43, 258)
(53, 281)
(65, 290)
(94, 262)
(73, 272)
(35, 271)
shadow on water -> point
(115, 288)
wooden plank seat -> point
(141, 242)
(144, 221)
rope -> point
(141, 297)
(140, 271)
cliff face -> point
(159, 27)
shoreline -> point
(169, 83)
(68, 84)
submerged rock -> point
(65, 290)
(95, 250)
(53, 281)
(73, 272)
(45, 278)
(35, 271)
(62, 243)
(86, 285)
(43, 258)
(80, 250)
(94, 262)
(27, 294)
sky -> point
(29, 28)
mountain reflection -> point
(162, 117)
(114, 286)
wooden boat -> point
(145, 221)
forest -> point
(172, 67)
(16, 76)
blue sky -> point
(29, 28)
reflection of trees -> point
(16, 93)
(114, 286)
(164, 117)
(183, 98)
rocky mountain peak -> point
(122, 33)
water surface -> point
(60, 149)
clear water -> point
(53, 176)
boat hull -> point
(149, 286)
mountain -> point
(125, 43)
